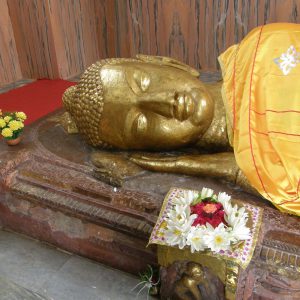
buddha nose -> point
(171, 104)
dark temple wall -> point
(60, 38)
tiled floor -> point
(53, 274)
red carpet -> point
(36, 99)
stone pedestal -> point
(48, 190)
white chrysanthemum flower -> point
(223, 198)
(227, 208)
(206, 193)
(179, 214)
(195, 238)
(176, 232)
(186, 199)
(236, 215)
(240, 231)
(217, 238)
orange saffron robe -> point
(261, 93)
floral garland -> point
(205, 221)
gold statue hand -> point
(159, 164)
(219, 165)
(113, 168)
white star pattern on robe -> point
(288, 60)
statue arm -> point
(219, 165)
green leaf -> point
(196, 200)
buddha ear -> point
(168, 61)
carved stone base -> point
(48, 190)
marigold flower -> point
(21, 115)
(7, 119)
(7, 132)
(15, 125)
(2, 123)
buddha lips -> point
(208, 212)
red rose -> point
(208, 212)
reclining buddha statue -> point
(249, 134)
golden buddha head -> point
(145, 103)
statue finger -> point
(154, 158)
(155, 165)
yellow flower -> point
(15, 125)
(7, 119)
(6, 132)
(21, 115)
(2, 123)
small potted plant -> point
(11, 126)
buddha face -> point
(150, 106)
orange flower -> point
(210, 208)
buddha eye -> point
(144, 82)
(140, 123)
(142, 79)
(138, 80)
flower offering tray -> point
(240, 253)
